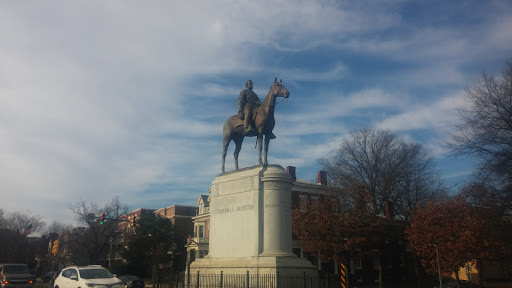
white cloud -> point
(440, 114)
(110, 98)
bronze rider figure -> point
(247, 101)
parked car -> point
(16, 276)
(86, 277)
(131, 281)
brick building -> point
(125, 226)
(181, 218)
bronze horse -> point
(264, 122)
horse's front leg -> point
(238, 142)
(235, 154)
(267, 142)
(260, 140)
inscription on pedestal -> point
(233, 209)
(275, 185)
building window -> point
(357, 262)
(302, 203)
(402, 259)
(192, 255)
(314, 201)
(201, 254)
(376, 262)
(389, 261)
(201, 227)
(296, 251)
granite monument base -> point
(251, 225)
(270, 265)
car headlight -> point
(90, 284)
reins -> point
(282, 100)
(256, 144)
(276, 102)
(269, 105)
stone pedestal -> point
(250, 225)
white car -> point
(86, 277)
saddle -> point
(240, 122)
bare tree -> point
(57, 227)
(418, 181)
(485, 130)
(397, 174)
(23, 223)
(96, 238)
(2, 220)
(14, 229)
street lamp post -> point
(438, 264)
(438, 267)
(171, 252)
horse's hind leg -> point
(224, 151)
(238, 142)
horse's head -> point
(279, 90)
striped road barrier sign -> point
(343, 276)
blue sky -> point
(127, 98)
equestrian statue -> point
(255, 118)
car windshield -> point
(95, 273)
(18, 269)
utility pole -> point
(438, 267)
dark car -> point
(449, 282)
(131, 281)
(47, 277)
(53, 276)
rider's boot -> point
(248, 131)
(248, 127)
